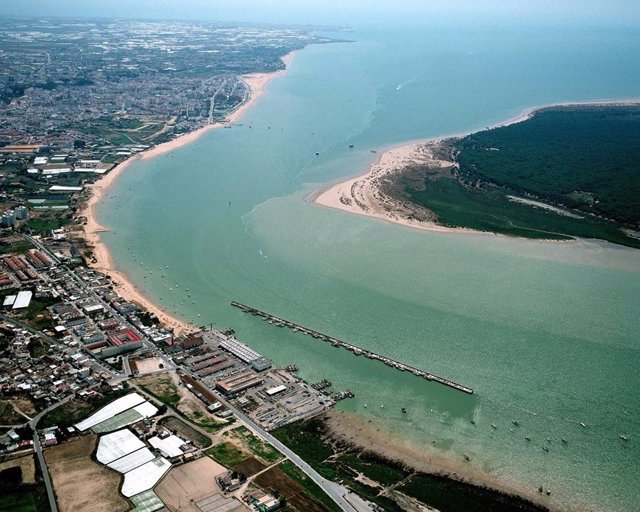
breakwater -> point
(358, 351)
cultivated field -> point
(79, 482)
(185, 485)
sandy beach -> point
(257, 83)
(362, 195)
(366, 436)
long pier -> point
(359, 351)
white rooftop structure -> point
(9, 300)
(169, 446)
(61, 188)
(240, 350)
(146, 409)
(22, 300)
(110, 410)
(275, 390)
(144, 477)
(116, 445)
(40, 160)
(132, 460)
(53, 172)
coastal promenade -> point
(358, 351)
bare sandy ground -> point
(257, 82)
(79, 482)
(362, 195)
(185, 485)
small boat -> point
(382, 406)
(317, 153)
(365, 406)
(466, 457)
(404, 410)
(563, 440)
(493, 425)
(472, 422)
(515, 422)
(624, 438)
(582, 425)
(548, 439)
(351, 146)
(545, 448)
(527, 438)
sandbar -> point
(362, 194)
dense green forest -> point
(583, 159)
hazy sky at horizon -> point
(621, 12)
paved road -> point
(38, 448)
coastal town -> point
(179, 411)
(70, 343)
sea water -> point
(546, 333)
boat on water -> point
(624, 438)
(404, 410)
(493, 425)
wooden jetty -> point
(359, 351)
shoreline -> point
(354, 431)
(91, 229)
(360, 194)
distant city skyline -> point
(619, 12)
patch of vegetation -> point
(15, 245)
(164, 390)
(18, 501)
(226, 454)
(36, 314)
(583, 160)
(185, 431)
(564, 150)
(37, 347)
(306, 439)
(384, 472)
(47, 221)
(8, 415)
(453, 496)
(209, 424)
(77, 409)
(314, 490)
(257, 446)
(489, 209)
(11, 476)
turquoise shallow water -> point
(547, 333)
